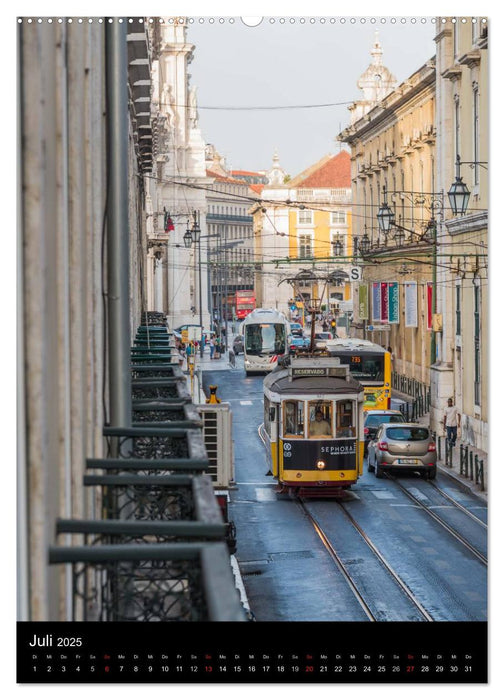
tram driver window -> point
(293, 413)
(320, 419)
(344, 419)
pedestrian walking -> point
(212, 347)
(451, 421)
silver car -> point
(403, 446)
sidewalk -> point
(454, 471)
(204, 364)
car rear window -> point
(377, 420)
(412, 434)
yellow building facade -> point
(393, 162)
(306, 224)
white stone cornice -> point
(443, 34)
(471, 59)
(466, 224)
(452, 73)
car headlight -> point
(320, 464)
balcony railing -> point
(159, 552)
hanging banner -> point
(393, 302)
(384, 302)
(411, 305)
(376, 302)
(363, 302)
(429, 306)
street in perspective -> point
(252, 353)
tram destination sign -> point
(318, 371)
(309, 371)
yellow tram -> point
(314, 426)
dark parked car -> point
(403, 446)
(374, 419)
(238, 344)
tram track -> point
(458, 505)
(346, 573)
(475, 552)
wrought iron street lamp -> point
(365, 244)
(193, 235)
(188, 239)
(399, 235)
(337, 248)
(458, 194)
(385, 215)
(196, 230)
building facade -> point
(177, 187)
(306, 224)
(80, 212)
(462, 127)
(393, 163)
(230, 230)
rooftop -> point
(329, 171)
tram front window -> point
(294, 418)
(320, 419)
(344, 419)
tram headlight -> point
(320, 464)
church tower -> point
(276, 174)
(375, 83)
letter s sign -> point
(355, 273)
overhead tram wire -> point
(277, 203)
(251, 108)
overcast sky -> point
(276, 65)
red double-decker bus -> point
(244, 302)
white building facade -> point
(176, 282)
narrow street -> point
(287, 571)
(238, 274)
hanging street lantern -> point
(399, 236)
(188, 239)
(365, 244)
(458, 194)
(196, 230)
(385, 215)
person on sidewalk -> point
(451, 421)
(212, 347)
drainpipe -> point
(118, 255)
